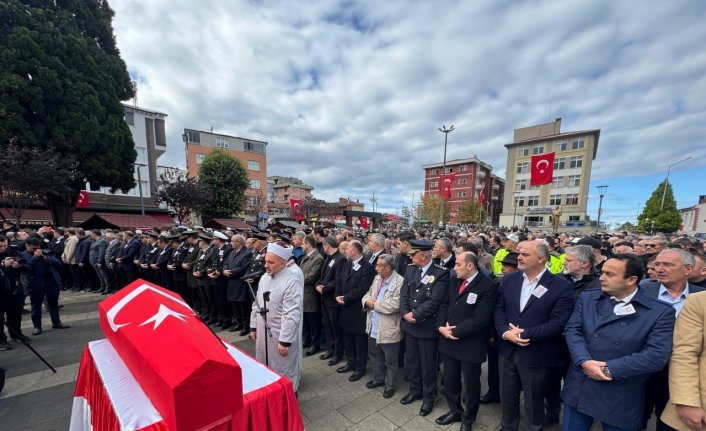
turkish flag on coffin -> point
(185, 371)
(542, 169)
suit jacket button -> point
(595, 335)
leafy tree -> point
(471, 212)
(61, 83)
(655, 219)
(627, 226)
(429, 207)
(183, 195)
(313, 208)
(407, 215)
(226, 179)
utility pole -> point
(601, 193)
(446, 132)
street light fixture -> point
(514, 213)
(601, 193)
(446, 132)
(666, 181)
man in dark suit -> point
(464, 322)
(235, 267)
(126, 258)
(164, 275)
(326, 286)
(402, 260)
(356, 277)
(423, 292)
(376, 244)
(617, 336)
(443, 253)
(532, 308)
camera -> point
(46, 252)
(14, 251)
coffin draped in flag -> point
(182, 367)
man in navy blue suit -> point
(617, 337)
(532, 308)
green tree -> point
(655, 219)
(429, 207)
(61, 83)
(183, 195)
(471, 212)
(226, 179)
(407, 215)
(627, 226)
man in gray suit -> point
(111, 253)
(96, 257)
(310, 264)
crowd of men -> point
(587, 320)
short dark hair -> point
(406, 236)
(3, 238)
(469, 246)
(34, 241)
(309, 239)
(331, 241)
(633, 265)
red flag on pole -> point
(445, 185)
(363, 222)
(481, 196)
(542, 169)
(296, 208)
(83, 201)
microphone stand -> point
(262, 311)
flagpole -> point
(446, 132)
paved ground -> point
(36, 399)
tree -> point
(406, 216)
(182, 194)
(429, 207)
(256, 204)
(313, 208)
(61, 83)
(627, 226)
(30, 175)
(226, 179)
(655, 219)
(471, 212)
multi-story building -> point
(286, 188)
(468, 178)
(693, 218)
(528, 205)
(252, 153)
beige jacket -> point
(388, 309)
(687, 366)
(70, 244)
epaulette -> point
(440, 266)
(410, 264)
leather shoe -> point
(466, 427)
(327, 355)
(244, 332)
(388, 392)
(357, 375)
(427, 407)
(448, 418)
(344, 369)
(410, 398)
(486, 399)
(373, 384)
(312, 350)
(334, 361)
(60, 326)
(37, 331)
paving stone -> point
(322, 405)
(333, 421)
(362, 407)
(374, 422)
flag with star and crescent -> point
(542, 169)
(445, 185)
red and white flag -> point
(363, 222)
(481, 197)
(295, 206)
(542, 169)
(83, 201)
(445, 185)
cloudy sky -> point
(350, 94)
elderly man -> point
(382, 303)
(310, 264)
(235, 267)
(698, 275)
(326, 287)
(443, 253)
(282, 351)
(579, 268)
(376, 244)
(96, 257)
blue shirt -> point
(376, 316)
(678, 302)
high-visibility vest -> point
(497, 265)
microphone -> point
(266, 296)
(255, 274)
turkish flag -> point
(363, 222)
(481, 196)
(542, 169)
(445, 185)
(295, 206)
(83, 201)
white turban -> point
(284, 252)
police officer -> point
(424, 289)
(174, 265)
(192, 253)
(200, 271)
(218, 294)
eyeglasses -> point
(650, 245)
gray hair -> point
(299, 234)
(239, 238)
(584, 253)
(543, 249)
(378, 239)
(110, 234)
(446, 243)
(388, 260)
(687, 259)
(357, 245)
(662, 240)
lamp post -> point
(514, 212)
(446, 132)
(601, 193)
(666, 181)
(139, 185)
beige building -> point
(692, 218)
(531, 206)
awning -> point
(127, 221)
(39, 217)
(228, 223)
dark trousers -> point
(91, 280)
(552, 391)
(420, 365)
(104, 276)
(202, 300)
(457, 375)
(11, 312)
(313, 321)
(356, 347)
(180, 289)
(225, 312)
(333, 331)
(241, 313)
(493, 374)
(383, 359)
(77, 275)
(36, 297)
(656, 397)
(574, 420)
(515, 377)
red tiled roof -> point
(127, 221)
(231, 223)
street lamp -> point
(446, 132)
(666, 181)
(601, 193)
(139, 185)
(514, 213)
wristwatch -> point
(606, 371)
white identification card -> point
(220, 252)
(356, 267)
(191, 249)
(624, 311)
(425, 279)
(330, 264)
(472, 298)
(203, 256)
(539, 291)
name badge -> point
(220, 252)
(625, 310)
(191, 249)
(425, 279)
(472, 298)
(539, 291)
(330, 264)
(163, 251)
(356, 267)
(203, 256)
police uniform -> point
(192, 254)
(218, 294)
(201, 265)
(178, 273)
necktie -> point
(463, 286)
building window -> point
(523, 151)
(449, 170)
(577, 144)
(572, 199)
(538, 149)
(534, 220)
(435, 172)
(555, 200)
(521, 201)
(532, 201)
(462, 194)
(193, 137)
(560, 163)
(141, 155)
(534, 187)
(574, 218)
(562, 146)
(575, 162)
(462, 181)
(222, 142)
(523, 168)
(558, 182)
(130, 118)
(433, 184)
(254, 147)
(254, 165)
(199, 158)
(254, 184)
(520, 184)
(463, 168)
(253, 201)
(574, 180)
